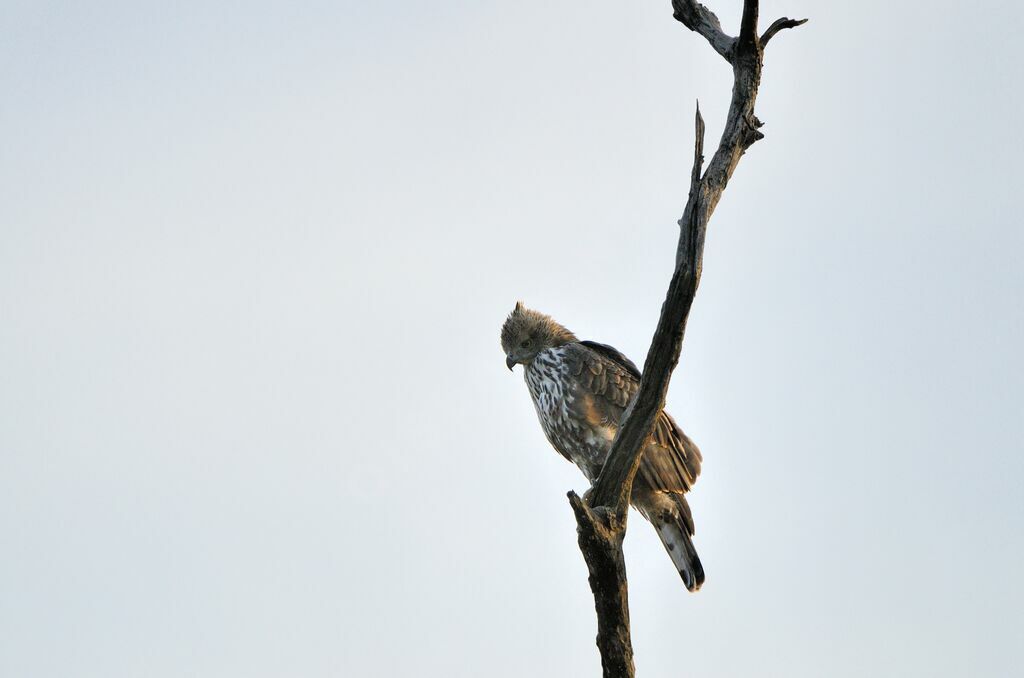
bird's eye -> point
(525, 343)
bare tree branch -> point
(695, 183)
(613, 486)
(700, 19)
(698, 155)
(748, 23)
(600, 539)
(601, 519)
(778, 25)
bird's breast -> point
(554, 395)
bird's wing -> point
(614, 355)
(606, 382)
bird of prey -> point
(580, 390)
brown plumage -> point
(581, 390)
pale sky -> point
(254, 258)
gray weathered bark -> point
(601, 519)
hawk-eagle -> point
(580, 390)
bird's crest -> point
(524, 322)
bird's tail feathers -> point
(675, 535)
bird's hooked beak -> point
(510, 362)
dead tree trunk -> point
(601, 520)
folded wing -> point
(607, 381)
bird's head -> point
(527, 332)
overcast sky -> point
(254, 258)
